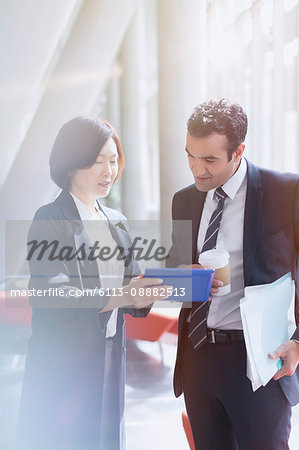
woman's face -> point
(96, 181)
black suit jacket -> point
(270, 242)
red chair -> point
(174, 328)
(150, 328)
(15, 311)
(188, 431)
(15, 320)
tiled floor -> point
(153, 415)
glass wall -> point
(253, 58)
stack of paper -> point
(268, 318)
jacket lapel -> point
(70, 211)
(123, 240)
(68, 206)
(252, 217)
(117, 229)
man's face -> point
(208, 160)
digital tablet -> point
(188, 284)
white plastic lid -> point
(214, 259)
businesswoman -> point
(73, 389)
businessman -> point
(254, 214)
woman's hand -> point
(139, 293)
(142, 292)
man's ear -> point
(237, 155)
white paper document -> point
(268, 318)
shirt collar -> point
(86, 213)
(233, 184)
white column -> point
(113, 105)
(113, 115)
(180, 28)
(133, 117)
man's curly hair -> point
(221, 117)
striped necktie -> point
(199, 311)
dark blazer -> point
(64, 373)
(270, 242)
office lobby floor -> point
(153, 414)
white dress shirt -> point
(111, 271)
(224, 312)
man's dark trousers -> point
(224, 412)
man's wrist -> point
(297, 348)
